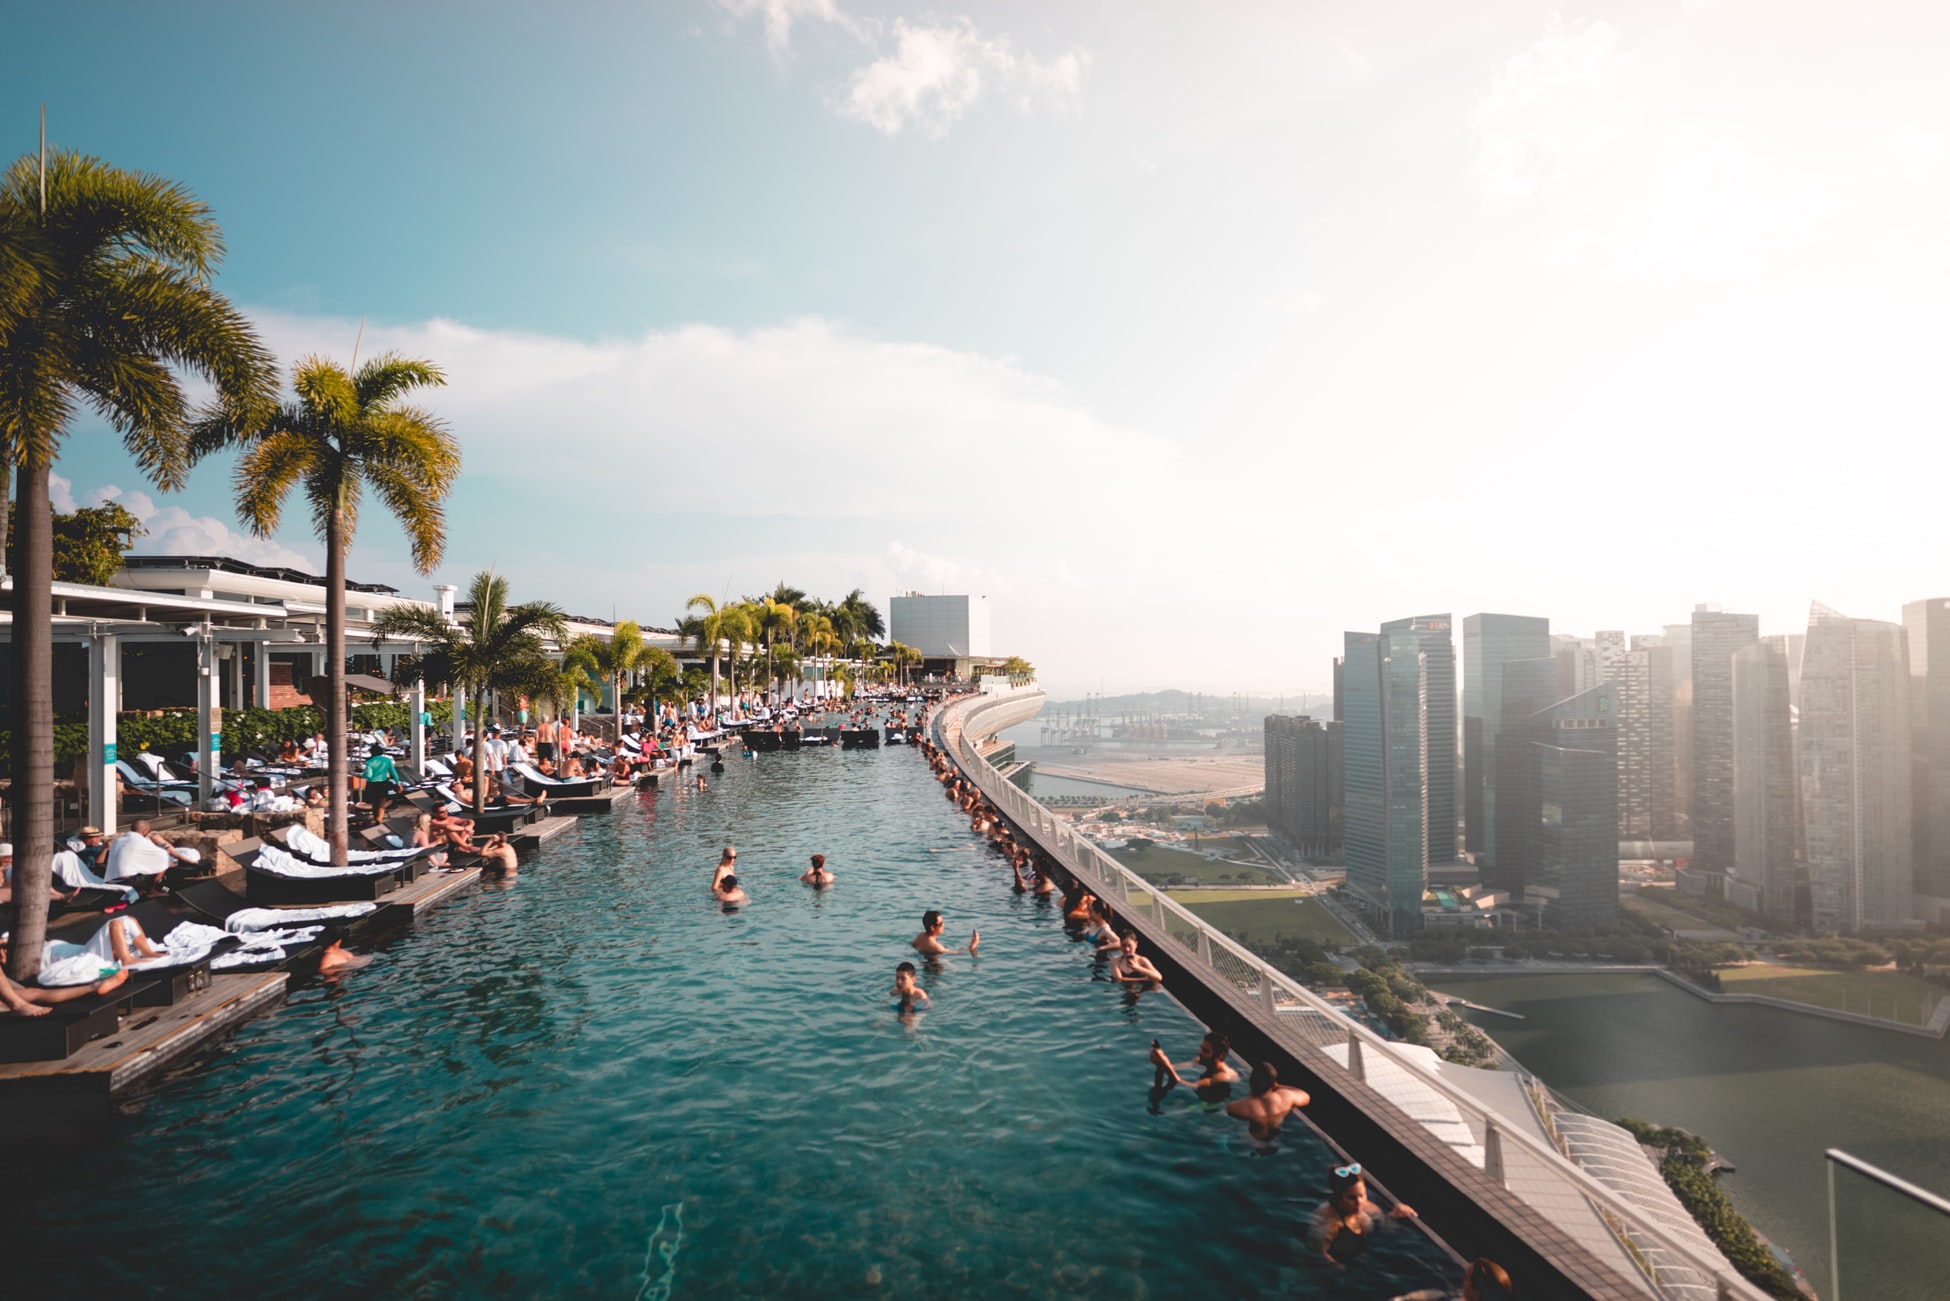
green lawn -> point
(1159, 864)
(1260, 916)
(1893, 995)
(1654, 908)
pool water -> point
(594, 1082)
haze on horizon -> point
(1190, 340)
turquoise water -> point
(595, 1083)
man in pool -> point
(928, 943)
(906, 991)
(1270, 1103)
(335, 959)
(726, 890)
(1129, 967)
(498, 855)
(1217, 1076)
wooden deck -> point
(149, 1038)
(433, 888)
(541, 831)
(606, 802)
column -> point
(460, 719)
(234, 690)
(261, 670)
(104, 701)
(209, 720)
(416, 727)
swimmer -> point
(1041, 884)
(928, 942)
(1129, 967)
(1270, 1103)
(335, 959)
(1217, 1075)
(727, 864)
(817, 876)
(1344, 1222)
(498, 853)
(906, 991)
(727, 891)
(700, 781)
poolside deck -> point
(606, 802)
(540, 832)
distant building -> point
(942, 628)
(1927, 624)
(1678, 637)
(1717, 636)
(1661, 728)
(1529, 689)
(1305, 782)
(1438, 647)
(1765, 810)
(1855, 772)
(1386, 746)
(1631, 672)
(1489, 642)
(1574, 756)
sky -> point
(1190, 335)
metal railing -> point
(1886, 1236)
(1670, 1266)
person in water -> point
(906, 991)
(817, 876)
(1216, 1075)
(727, 864)
(727, 891)
(1269, 1104)
(335, 959)
(1129, 967)
(1484, 1280)
(498, 855)
(1346, 1221)
(928, 942)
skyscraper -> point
(1386, 747)
(1574, 852)
(1631, 672)
(1529, 689)
(1489, 642)
(1304, 782)
(1927, 624)
(1438, 647)
(1678, 638)
(1717, 635)
(1662, 759)
(1855, 771)
(1764, 781)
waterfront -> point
(597, 1083)
(1768, 1089)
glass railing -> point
(1886, 1237)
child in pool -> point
(906, 991)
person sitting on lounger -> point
(142, 858)
(457, 831)
(74, 869)
(1129, 967)
(817, 876)
(314, 797)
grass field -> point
(1892, 995)
(1259, 916)
(1159, 865)
(1655, 910)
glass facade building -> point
(1574, 765)
(1385, 743)
(1432, 633)
(1765, 808)
(1717, 637)
(1490, 641)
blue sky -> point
(1138, 318)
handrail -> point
(1278, 993)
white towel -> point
(247, 920)
(64, 964)
(318, 850)
(133, 855)
(73, 872)
(278, 863)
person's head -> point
(332, 936)
(140, 826)
(91, 836)
(1345, 1187)
(730, 855)
(1215, 1045)
(1486, 1281)
(729, 883)
(1129, 944)
(422, 820)
(931, 922)
(1265, 1077)
(819, 862)
(905, 971)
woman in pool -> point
(1346, 1221)
(817, 876)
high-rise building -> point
(1762, 878)
(1529, 689)
(1304, 782)
(1717, 636)
(1927, 624)
(1855, 772)
(1577, 664)
(1662, 759)
(1433, 636)
(1574, 853)
(1489, 642)
(1385, 740)
(1631, 672)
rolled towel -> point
(246, 920)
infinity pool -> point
(595, 1083)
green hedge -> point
(173, 733)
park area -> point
(1164, 866)
(1255, 917)
(1892, 995)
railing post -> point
(1266, 989)
(1492, 1149)
(1722, 1290)
(1356, 1065)
(1205, 946)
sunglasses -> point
(1347, 1171)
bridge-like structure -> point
(1493, 1168)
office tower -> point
(1438, 647)
(1855, 771)
(1339, 664)
(1574, 852)
(1489, 642)
(1631, 672)
(1577, 664)
(1927, 624)
(1304, 782)
(1385, 745)
(1764, 781)
(1662, 763)
(1679, 637)
(1717, 635)
(1529, 688)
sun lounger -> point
(535, 782)
(504, 818)
(275, 876)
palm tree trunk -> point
(480, 753)
(6, 494)
(31, 701)
(335, 827)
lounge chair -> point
(536, 782)
(505, 818)
(275, 876)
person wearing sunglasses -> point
(1345, 1223)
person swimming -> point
(727, 892)
(1216, 1073)
(1269, 1104)
(928, 942)
(1129, 967)
(1345, 1222)
(907, 992)
(817, 876)
(335, 959)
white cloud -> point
(937, 73)
(1549, 107)
(173, 531)
(780, 15)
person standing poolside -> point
(545, 739)
(494, 752)
(928, 942)
(1270, 1103)
(817, 876)
(382, 778)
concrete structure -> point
(1573, 873)
(941, 627)
(1386, 743)
(1717, 636)
(1489, 642)
(1765, 809)
(1927, 624)
(1855, 772)
(1438, 647)
(1305, 782)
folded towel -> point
(73, 872)
(246, 920)
(278, 863)
(303, 842)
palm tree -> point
(819, 637)
(555, 688)
(862, 615)
(105, 300)
(609, 661)
(343, 432)
(778, 618)
(706, 631)
(658, 672)
(740, 630)
(494, 647)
